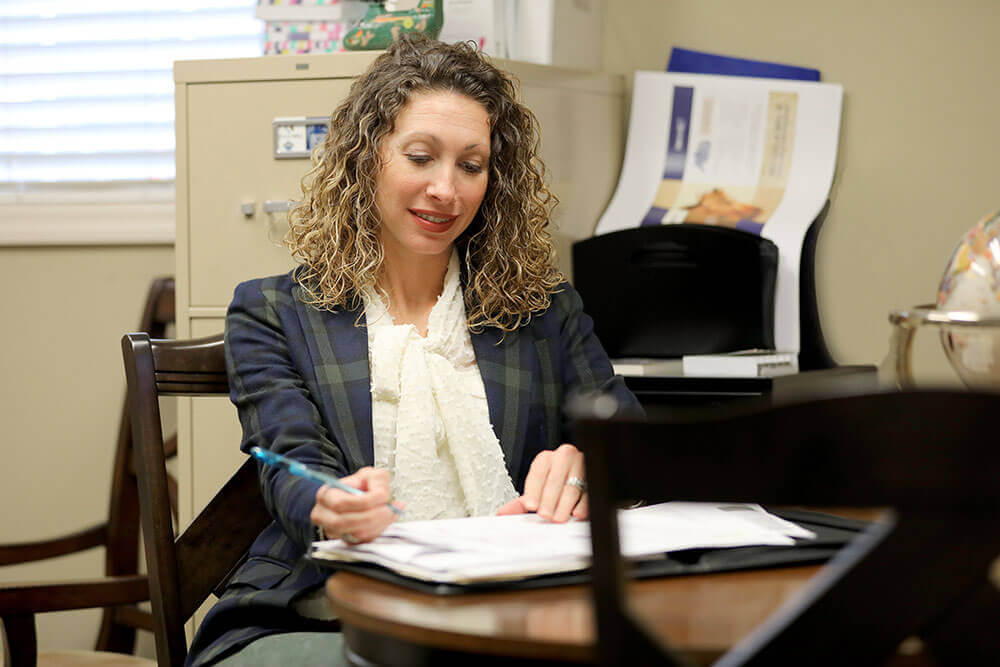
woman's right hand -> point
(355, 518)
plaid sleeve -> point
(275, 407)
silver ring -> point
(578, 483)
(350, 539)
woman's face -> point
(434, 174)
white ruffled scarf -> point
(430, 418)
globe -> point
(971, 283)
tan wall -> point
(63, 312)
(918, 163)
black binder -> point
(832, 533)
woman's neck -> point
(413, 288)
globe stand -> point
(907, 322)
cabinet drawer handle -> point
(278, 205)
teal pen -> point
(300, 469)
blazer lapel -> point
(504, 367)
(342, 371)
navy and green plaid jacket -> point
(300, 380)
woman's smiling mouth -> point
(433, 217)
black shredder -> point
(676, 289)
(671, 290)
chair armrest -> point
(28, 597)
(25, 552)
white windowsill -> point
(88, 214)
(87, 224)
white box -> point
(480, 21)
(564, 33)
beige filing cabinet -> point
(225, 160)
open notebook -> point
(504, 548)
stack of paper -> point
(495, 548)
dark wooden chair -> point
(184, 570)
(122, 586)
(921, 572)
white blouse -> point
(430, 418)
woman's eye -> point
(472, 167)
(418, 159)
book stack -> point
(746, 363)
(647, 366)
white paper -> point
(768, 145)
(499, 547)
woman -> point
(424, 349)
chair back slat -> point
(197, 355)
(184, 569)
(164, 378)
(188, 386)
(206, 550)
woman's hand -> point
(355, 518)
(553, 487)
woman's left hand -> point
(553, 487)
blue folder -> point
(698, 62)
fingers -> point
(534, 483)
(568, 496)
(515, 506)
(364, 516)
(361, 526)
(580, 511)
(555, 482)
(375, 481)
(545, 489)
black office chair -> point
(932, 456)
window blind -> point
(86, 92)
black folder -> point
(832, 533)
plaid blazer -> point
(299, 378)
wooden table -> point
(703, 615)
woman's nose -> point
(442, 185)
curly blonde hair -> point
(508, 259)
